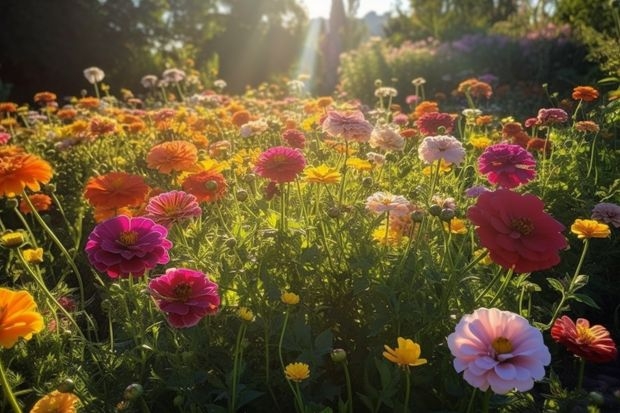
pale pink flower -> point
(446, 147)
(94, 74)
(380, 202)
(351, 126)
(172, 207)
(608, 213)
(387, 139)
(498, 349)
(173, 75)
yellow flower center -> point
(501, 345)
(128, 238)
(522, 225)
(585, 335)
(182, 291)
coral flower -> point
(241, 117)
(172, 156)
(498, 349)
(585, 93)
(425, 107)
(516, 230)
(294, 138)
(19, 317)
(386, 138)
(351, 126)
(280, 164)
(475, 88)
(507, 165)
(206, 186)
(40, 202)
(22, 170)
(445, 147)
(395, 205)
(297, 372)
(185, 296)
(115, 190)
(406, 354)
(4, 138)
(592, 344)
(44, 97)
(124, 246)
(322, 174)
(608, 213)
(56, 402)
(172, 207)
(589, 228)
(435, 123)
(587, 126)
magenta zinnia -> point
(172, 207)
(517, 231)
(280, 164)
(507, 165)
(185, 296)
(124, 246)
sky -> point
(320, 8)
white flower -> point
(94, 74)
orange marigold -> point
(241, 117)
(44, 97)
(475, 88)
(206, 186)
(56, 402)
(19, 317)
(425, 106)
(172, 156)
(66, 113)
(115, 190)
(8, 107)
(40, 202)
(22, 170)
(585, 93)
(89, 103)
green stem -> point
(347, 378)
(344, 173)
(237, 360)
(502, 287)
(8, 392)
(471, 400)
(407, 389)
(489, 286)
(582, 369)
(486, 401)
(298, 398)
(282, 339)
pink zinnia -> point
(593, 343)
(4, 138)
(608, 213)
(185, 296)
(172, 207)
(517, 231)
(387, 139)
(280, 164)
(446, 147)
(507, 165)
(351, 126)
(395, 205)
(552, 116)
(434, 123)
(294, 138)
(498, 349)
(124, 246)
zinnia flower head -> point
(507, 165)
(245, 314)
(592, 343)
(280, 164)
(40, 202)
(172, 207)
(386, 138)
(406, 354)
(435, 123)
(185, 296)
(351, 126)
(94, 74)
(19, 317)
(173, 75)
(475, 88)
(380, 202)
(22, 170)
(498, 349)
(206, 186)
(56, 402)
(4, 138)
(608, 213)
(172, 156)
(445, 147)
(585, 93)
(516, 230)
(552, 116)
(148, 81)
(322, 174)
(590, 228)
(124, 246)
(297, 372)
(115, 190)
(294, 138)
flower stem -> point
(347, 378)
(502, 287)
(582, 369)
(298, 399)
(8, 393)
(407, 389)
(471, 400)
(486, 401)
(238, 354)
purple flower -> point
(444, 147)
(124, 246)
(608, 213)
(185, 296)
(475, 191)
(552, 116)
(172, 207)
(507, 165)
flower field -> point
(179, 249)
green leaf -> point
(609, 80)
(587, 300)
(556, 284)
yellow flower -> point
(12, 239)
(290, 298)
(33, 255)
(589, 228)
(19, 317)
(406, 354)
(444, 167)
(297, 371)
(322, 174)
(56, 402)
(394, 237)
(213, 165)
(245, 314)
(359, 164)
(484, 261)
(456, 226)
(480, 141)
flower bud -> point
(417, 216)
(338, 355)
(334, 212)
(231, 242)
(435, 210)
(12, 203)
(446, 214)
(133, 391)
(597, 398)
(367, 182)
(241, 195)
(66, 386)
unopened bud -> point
(338, 355)
(133, 391)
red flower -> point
(280, 164)
(206, 186)
(435, 123)
(590, 343)
(516, 230)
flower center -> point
(211, 185)
(128, 238)
(585, 335)
(182, 291)
(501, 345)
(522, 225)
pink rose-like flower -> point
(387, 139)
(608, 213)
(351, 126)
(552, 116)
(124, 246)
(498, 349)
(172, 207)
(507, 165)
(517, 231)
(280, 164)
(380, 202)
(185, 296)
(446, 147)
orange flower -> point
(101, 214)
(101, 126)
(44, 97)
(56, 402)
(484, 120)
(89, 103)
(241, 117)
(19, 317)
(41, 202)
(115, 190)
(511, 129)
(172, 156)
(475, 88)
(22, 170)
(66, 113)
(324, 101)
(8, 107)
(425, 106)
(585, 93)
(206, 186)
